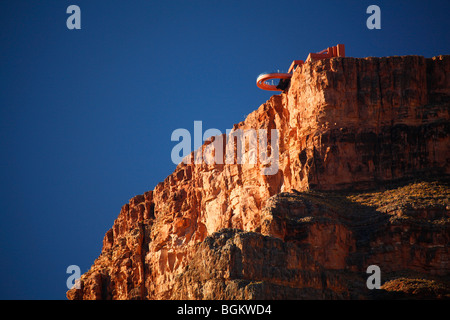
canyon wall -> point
(226, 231)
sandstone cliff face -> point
(225, 231)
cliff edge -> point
(362, 179)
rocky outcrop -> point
(226, 231)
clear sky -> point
(86, 116)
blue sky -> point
(86, 115)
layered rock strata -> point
(226, 231)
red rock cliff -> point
(347, 127)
